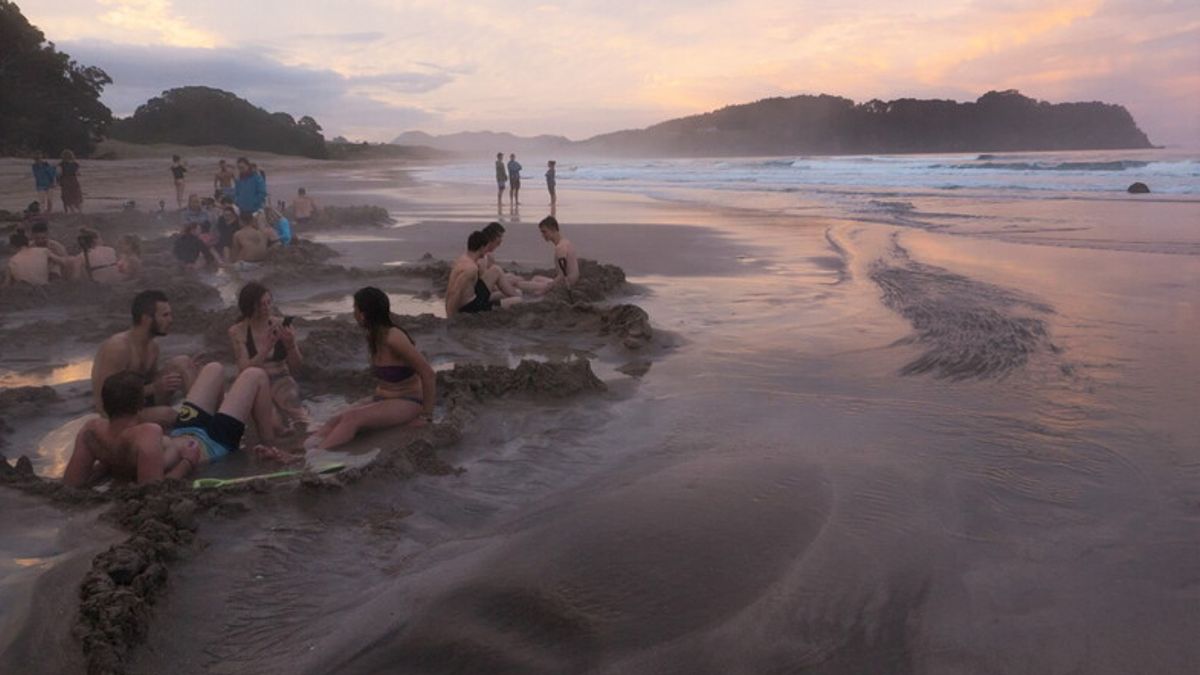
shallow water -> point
(879, 446)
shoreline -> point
(781, 414)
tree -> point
(48, 102)
(207, 116)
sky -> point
(371, 69)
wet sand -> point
(847, 447)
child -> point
(282, 226)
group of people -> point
(64, 177)
(478, 284)
(510, 174)
(214, 233)
(238, 224)
(139, 436)
(38, 259)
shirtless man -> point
(223, 181)
(303, 207)
(30, 264)
(566, 261)
(466, 291)
(498, 281)
(127, 447)
(249, 243)
(135, 350)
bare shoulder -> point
(237, 329)
(146, 431)
(565, 247)
(115, 346)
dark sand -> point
(843, 447)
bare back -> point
(461, 287)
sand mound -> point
(473, 383)
(336, 217)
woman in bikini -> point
(261, 340)
(405, 392)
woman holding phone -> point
(261, 340)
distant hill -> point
(195, 116)
(831, 125)
(486, 143)
(997, 121)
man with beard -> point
(135, 350)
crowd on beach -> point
(139, 435)
(236, 225)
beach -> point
(882, 426)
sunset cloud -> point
(152, 22)
(580, 67)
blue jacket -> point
(250, 192)
(44, 175)
(283, 228)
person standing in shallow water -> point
(406, 389)
(552, 183)
(68, 181)
(178, 170)
(501, 179)
(514, 180)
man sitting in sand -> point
(466, 292)
(191, 251)
(566, 261)
(249, 243)
(209, 426)
(29, 264)
(499, 282)
(135, 350)
(40, 238)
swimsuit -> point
(220, 434)
(394, 375)
(279, 354)
(482, 301)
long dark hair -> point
(376, 310)
(249, 297)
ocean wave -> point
(1118, 165)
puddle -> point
(74, 371)
(54, 450)
(341, 303)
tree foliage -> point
(207, 116)
(997, 121)
(48, 102)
